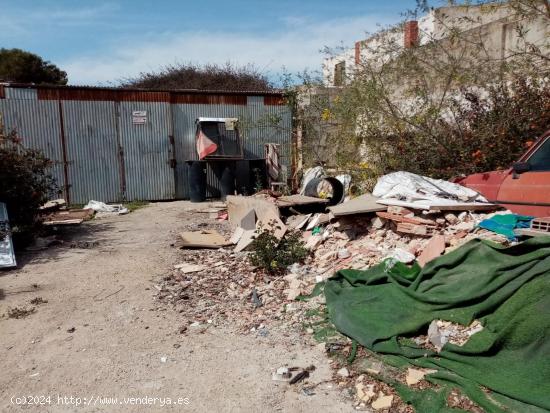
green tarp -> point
(507, 289)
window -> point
(339, 74)
(540, 160)
(227, 141)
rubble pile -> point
(216, 283)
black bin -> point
(197, 181)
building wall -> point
(102, 153)
(494, 22)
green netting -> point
(507, 289)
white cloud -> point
(295, 46)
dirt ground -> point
(125, 344)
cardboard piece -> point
(361, 205)
(70, 217)
(203, 239)
(434, 248)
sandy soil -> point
(125, 344)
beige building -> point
(497, 25)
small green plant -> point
(258, 181)
(273, 255)
(135, 205)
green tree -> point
(207, 77)
(17, 65)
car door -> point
(528, 192)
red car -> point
(525, 187)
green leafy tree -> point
(17, 65)
(25, 182)
(457, 102)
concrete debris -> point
(343, 372)
(220, 285)
(189, 268)
(382, 402)
(414, 376)
(442, 332)
(282, 374)
(365, 393)
(434, 248)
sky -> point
(102, 42)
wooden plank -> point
(297, 199)
(430, 205)
(203, 239)
(361, 205)
(239, 206)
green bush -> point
(273, 255)
(25, 182)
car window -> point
(540, 160)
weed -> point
(135, 205)
(273, 255)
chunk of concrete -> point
(382, 402)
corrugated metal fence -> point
(103, 150)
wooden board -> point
(203, 239)
(429, 205)
(291, 200)
(361, 205)
(239, 206)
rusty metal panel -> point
(208, 99)
(147, 150)
(92, 151)
(37, 125)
